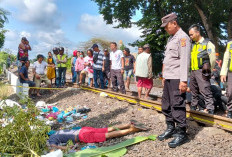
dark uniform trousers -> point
(229, 91)
(200, 86)
(173, 103)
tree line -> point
(214, 16)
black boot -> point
(229, 114)
(180, 138)
(168, 132)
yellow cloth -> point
(51, 74)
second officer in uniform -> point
(175, 73)
(203, 60)
(227, 71)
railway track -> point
(209, 120)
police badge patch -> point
(183, 42)
(209, 51)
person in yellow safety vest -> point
(203, 60)
(61, 64)
(226, 75)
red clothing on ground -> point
(145, 82)
(92, 135)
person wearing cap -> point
(202, 63)
(97, 66)
(143, 71)
(226, 75)
(39, 73)
(73, 62)
(62, 67)
(106, 67)
(55, 52)
(175, 75)
(117, 68)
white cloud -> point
(39, 13)
(93, 25)
(43, 20)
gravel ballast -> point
(204, 141)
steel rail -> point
(210, 120)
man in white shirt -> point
(117, 68)
(39, 72)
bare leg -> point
(109, 83)
(128, 83)
(147, 93)
(37, 91)
(139, 92)
(81, 78)
(91, 82)
(121, 126)
(30, 91)
(121, 132)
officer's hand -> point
(223, 78)
(103, 69)
(183, 87)
(163, 80)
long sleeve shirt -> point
(226, 59)
(177, 57)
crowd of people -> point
(104, 69)
(101, 68)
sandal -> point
(138, 125)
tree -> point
(214, 16)
(102, 43)
(3, 19)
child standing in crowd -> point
(51, 74)
(79, 67)
(88, 71)
(106, 66)
(129, 67)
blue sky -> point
(70, 22)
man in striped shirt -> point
(97, 66)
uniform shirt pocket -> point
(173, 50)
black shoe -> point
(229, 114)
(180, 138)
(193, 107)
(210, 111)
(168, 132)
(123, 91)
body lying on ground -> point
(93, 135)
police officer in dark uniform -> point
(203, 60)
(175, 73)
